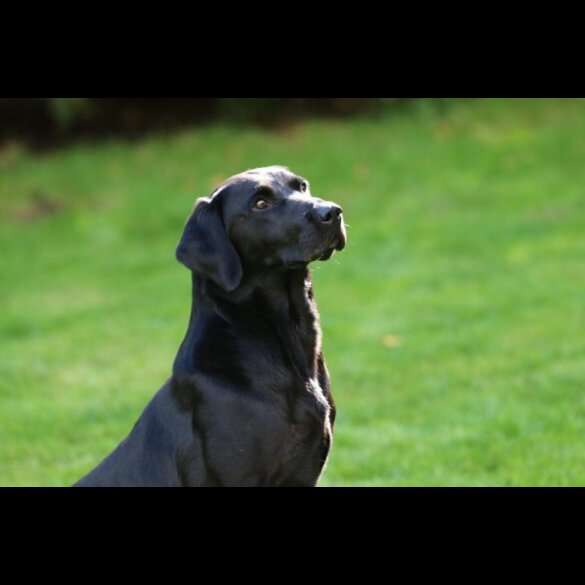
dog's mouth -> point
(322, 253)
(327, 255)
(323, 256)
(338, 244)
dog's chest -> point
(310, 410)
(306, 439)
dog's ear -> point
(206, 249)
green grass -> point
(453, 322)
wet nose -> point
(328, 212)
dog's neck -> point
(286, 301)
(282, 300)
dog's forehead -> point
(257, 178)
(268, 175)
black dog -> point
(249, 401)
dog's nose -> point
(328, 212)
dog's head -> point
(261, 218)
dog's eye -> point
(261, 204)
(304, 186)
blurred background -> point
(453, 321)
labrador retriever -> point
(249, 401)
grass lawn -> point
(454, 322)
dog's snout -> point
(325, 212)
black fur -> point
(249, 401)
